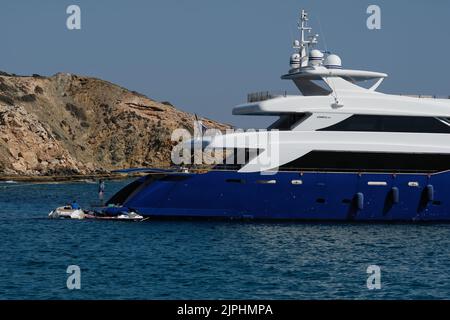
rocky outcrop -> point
(69, 124)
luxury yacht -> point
(339, 151)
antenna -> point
(323, 35)
(303, 45)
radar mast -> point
(300, 59)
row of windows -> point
(391, 124)
(362, 161)
(373, 123)
(369, 161)
(286, 122)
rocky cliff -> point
(69, 124)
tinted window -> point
(369, 161)
(287, 121)
(390, 124)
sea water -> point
(205, 259)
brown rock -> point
(85, 125)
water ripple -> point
(208, 260)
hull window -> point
(240, 181)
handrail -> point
(424, 96)
(264, 95)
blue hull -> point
(312, 196)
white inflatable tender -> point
(67, 212)
(130, 216)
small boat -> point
(67, 212)
(127, 216)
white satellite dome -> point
(295, 61)
(333, 61)
(315, 57)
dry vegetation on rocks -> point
(69, 124)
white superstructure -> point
(336, 114)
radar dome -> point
(315, 57)
(333, 62)
(295, 61)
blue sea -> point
(207, 260)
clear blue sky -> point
(206, 55)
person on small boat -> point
(101, 191)
(75, 205)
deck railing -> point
(264, 95)
(424, 96)
(267, 95)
